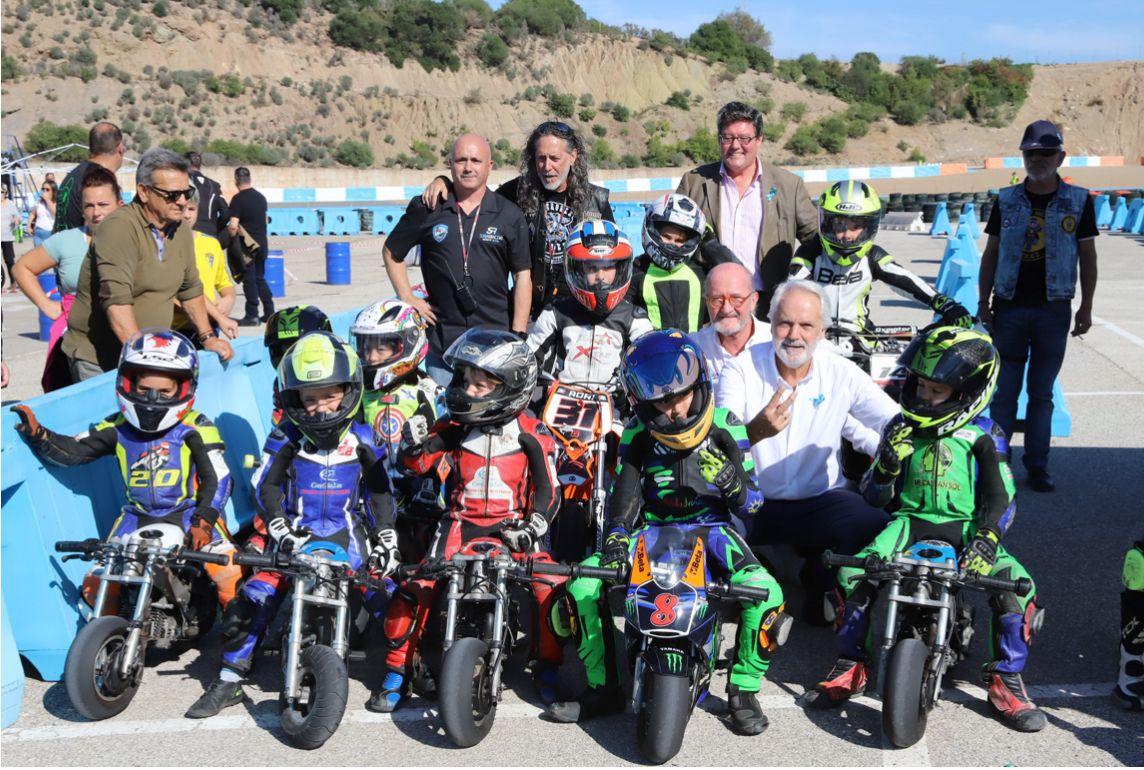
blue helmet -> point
(662, 364)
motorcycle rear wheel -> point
(464, 691)
(662, 719)
(313, 718)
(91, 672)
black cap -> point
(1042, 135)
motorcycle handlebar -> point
(78, 546)
(727, 591)
(1020, 586)
(615, 574)
(830, 559)
(222, 559)
(254, 560)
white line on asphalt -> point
(1106, 393)
(1097, 321)
(266, 716)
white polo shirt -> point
(803, 459)
(718, 356)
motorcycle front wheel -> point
(92, 670)
(313, 718)
(903, 705)
(465, 692)
(663, 716)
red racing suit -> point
(498, 474)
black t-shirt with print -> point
(1031, 288)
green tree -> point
(795, 111)
(547, 18)
(679, 99)
(602, 155)
(45, 135)
(354, 153)
(562, 105)
(749, 29)
(287, 10)
(492, 50)
(426, 31)
(803, 142)
(717, 40)
(361, 30)
(701, 147)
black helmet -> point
(285, 326)
(500, 354)
(319, 359)
(666, 363)
(963, 359)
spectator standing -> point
(470, 246)
(248, 210)
(9, 221)
(142, 258)
(105, 148)
(1041, 234)
(218, 287)
(731, 299)
(759, 211)
(213, 212)
(42, 220)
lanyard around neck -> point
(465, 244)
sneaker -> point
(747, 717)
(846, 679)
(1008, 697)
(392, 691)
(1040, 480)
(219, 695)
(595, 702)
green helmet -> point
(316, 360)
(285, 326)
(848, 203)
(963, 359)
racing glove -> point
(522, 535)
(718, 469)
(897, 444)
(981, 553)
(384, 557)
(29, 427)
(288, 538)
(951, 311)
(616, 548)
(414, 434)
(201, 533)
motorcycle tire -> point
(91, 672)
(904, 709)
(314, 717)
(464, 691)
(663, 716)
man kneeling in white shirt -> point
(799, 400)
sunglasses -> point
(555, 126)
(172, 196)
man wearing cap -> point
(1040, 237)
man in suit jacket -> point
(759, 211)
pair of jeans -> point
(1035, 335)
(255, 288)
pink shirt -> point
(741, 219)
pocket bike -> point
(154, 592)
(917, 645)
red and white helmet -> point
(390, 324)
(156, 352)
(596, 247)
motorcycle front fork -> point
(939, 644)
(304, 595)
(453, 599)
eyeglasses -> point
(729, 139)
(171, 196)
(554, 126)
(734, 300)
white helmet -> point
(395, 325)
(684, 213)
(162, 352)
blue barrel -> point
(48, 284)
(338, 263)
(276, 273)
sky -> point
(1044, 32)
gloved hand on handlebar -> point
(522, 535)
(28, 427)
(952, 312)
(718, 469)
(616, 548)
(201, 533)
(981, 553)
(384, 556)
(897, 444)
(288, 538)
(414, 434)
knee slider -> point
(237, 619)
(562, 617)
(774, 630)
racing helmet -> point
(500, 354)
(396, 325)
(156, 351)
(594, 245)
(681, 211)
(963, 359)
(854, 201)
(666, 363)
(285, 326)
(319, 359)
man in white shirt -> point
(799, 401)
(731, 299)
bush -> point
(908, 113)
(492, 51)
(160, 9)
(587, 114)
(602, 155)
(803, 142)
(916, 156)
(175, 144)
(547, 18)
(426, 31)
(701, 147)
(765, 104)
(903, 145)
(600, 130)
(227, 85)
(621, 113)
(773, 131)
(477, 13)
(45, 135)
(363, 30)
(9, 69)
(353, 153)
(287, 10)
(562, 105)
(629, 160)
(679, 99)
(794, 111)
(856, 128)
(84, 56)
(659, 153)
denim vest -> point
(1062, 217)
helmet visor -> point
(599, 275)
(847, 231)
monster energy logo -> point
(674, 662)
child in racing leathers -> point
(846, 261)
(390, 340)
(501, 487)
(684, 463)
(170, 455)
(948, 467)
(323, 479)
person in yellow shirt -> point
(218, 286)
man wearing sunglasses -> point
(142, 258)
(1041, 235)
(759, 211)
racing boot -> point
(747, 717)
(393, 689)
(219, 695)
(1129, 691)
(1008, 697)
(846, 679)
(595, 702)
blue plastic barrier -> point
(941, 225)
(385, 218)
(338, 263)
(13, 672)
(340, 221)
(47, 281)
(1119, 216)
(1103, 210)
(276, 272)
(969, 220)
(1134, 219)
(957, 276)
(293, 221)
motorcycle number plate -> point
(577, 415)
